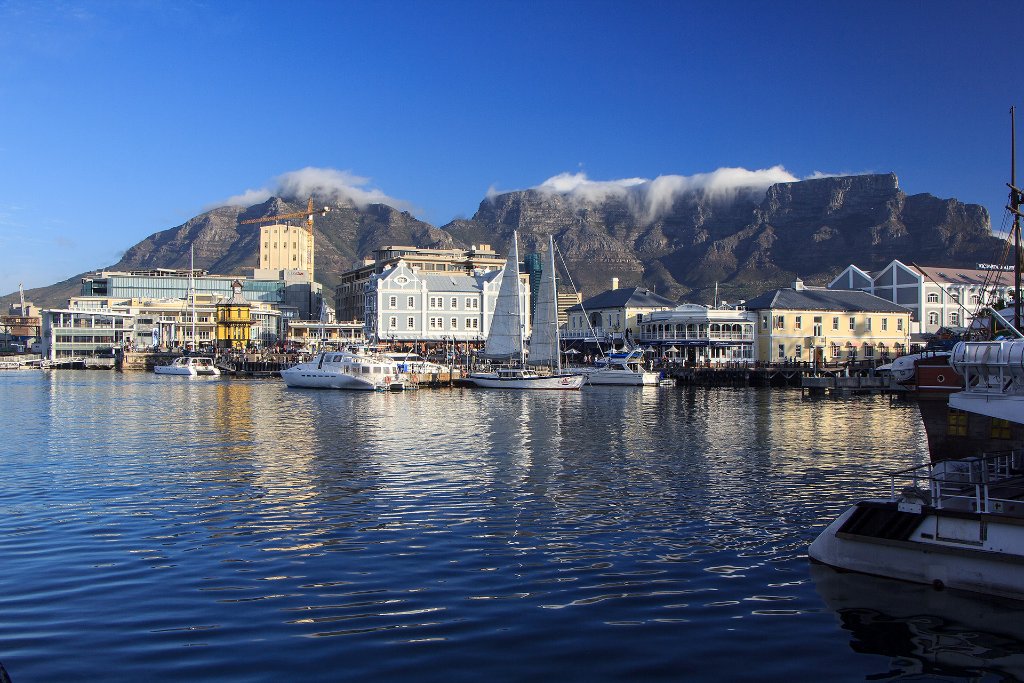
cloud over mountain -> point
(342, 187)
(650, 200)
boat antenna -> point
(1015, 202)
(192, 290)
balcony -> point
(696, 335)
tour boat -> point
(951, 523)
(505, 337)
(622, 369)
(352, 369)
(190, 366)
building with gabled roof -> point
(613, 315)
(821, 325)
(936, 296)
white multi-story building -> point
(404, 304)
(701, 334)
(936, 296)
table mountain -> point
(746, 242)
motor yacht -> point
(353, 369)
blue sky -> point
(121, 118)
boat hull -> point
(313, 379)
(960, 550)
(622, 378)
(549, 382)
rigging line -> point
(957, 301)
(586, 317)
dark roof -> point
(822, 299)
(633, 297)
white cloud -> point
(328, 184)
(652, 199)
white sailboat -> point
(505, 339)
(190, 366)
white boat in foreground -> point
(624, 369)
(954, 523)
(190, 366)
(346, 370)
(523, 378)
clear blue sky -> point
(119, 118)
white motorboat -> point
(415, 364)
(190, 366)
(621, 368)
(346, 370)
(505, 337)
(956, 523)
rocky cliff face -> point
(746, 243)
(811, 229)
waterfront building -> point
(936, 296)
(313, 333)
(71, 332)
(613, 315)
(702, 335)
(234, 320)
(821, 325)
(409, 305)
(288, 290)
(21, 327)
(286, 247)
(349, 299)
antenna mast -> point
(1015, 203)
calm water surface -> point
(158, 528)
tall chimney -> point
(615, 283)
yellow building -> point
(819, 325)
(234, 320)
(285, 247)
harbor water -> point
(164, 528)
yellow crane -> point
(308, 215)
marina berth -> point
(354, 369)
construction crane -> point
(308, 215)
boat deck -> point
(990, 484)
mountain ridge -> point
(743, 244)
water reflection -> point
(924, 632)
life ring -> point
(940, 378)
(565, 380)
(387, 379)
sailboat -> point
(506, 338)
(190, 366)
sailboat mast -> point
(192, 290)
(519, 301)
(1015, 209)
(554, 298)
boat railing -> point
(992, 483)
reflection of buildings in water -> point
(925, 631)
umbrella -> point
(673, 349)
(573, 352)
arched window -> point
(975, 300)
(933, 318)
(933, 298)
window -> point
(867, 322)
(455, 303)
(835, 322)
(853, 323)
(799, 352)
(899, 324)
(798, 322)
(933, 318)
(836, 350)
(469, 302)
(435, 302)
(393, 302)
(412, 302)
(410, 323)
(639, 318)
(954, 318)
(817, 326)
(955, 298)
(780, 322)
(436, 323)
(885, 324)
(476, 323)
(956, 423)
(869, 351)
(782, 350)
(975, 299)
(764, 322)
(933, 298)
(393, 322)
(1000, 428)
(455, 323)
